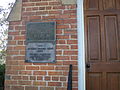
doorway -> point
(102, 43)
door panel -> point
(94, 37)
(96, 81)
(111, 37)
(102, 33)
(113, 81)
(92, 4)
(109, 4)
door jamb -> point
(81, 45)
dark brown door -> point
(102, 33)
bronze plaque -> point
(41, 42)
(40, 31)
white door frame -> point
(81, 45)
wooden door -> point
(102, 34)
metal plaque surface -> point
(40, 52)
(40, 31)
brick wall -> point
(43, 76)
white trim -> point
(81, 45)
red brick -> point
(32, 77)
(54, 73)
(12, 52)
(39, 77)
(60, 88)
(62, 47)
(55, 12)
(19, 27)
(31, 88)
(29, 13)
(61, 42)
(20, 42)
(32, 67)
(39, 83)
(48, 7)
(58, 52)
(41, 3)
(22, 52)
(19, 38)
(55, 78)
(25, 72)
(17, 88)
(70, 52)
(74, 46)
(17, 67)
(19, 47)
(62, 37)
(63, 78)
(48, 17)
(73, 36)
(25, 77)
(11, 82)
(54, 83)
(61, 68)
(47, 67)
(35, 8)
(41, 8)
(11, 72)
(16, 77)
(28, 4)
(74, 57)
(25, 82)
(14, 33)
(62, 57)
(70, 32)
(35, 17)
(47, 78)
(12, 62)
(59, 31)
(15, 23)
(69, 11)
(39, 73)
(46, 88)
(58, 7)
(62, 26)
(70, 62)
(54, 3)
(41, 12)
(12, 42)
(71, 41)
(19, 57)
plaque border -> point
(32, 61)
(40, 41)
(28, 41)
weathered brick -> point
(47, 78)
(54, 83)
(39, 73)
(31, 88)
(47, 67)
(25, 72)
(17, 88)
(43, 76)
(32, 67)
(47, 88)
(54, 73)
(25, 82)
(39, 83)
(70, 52)
(55, 78)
